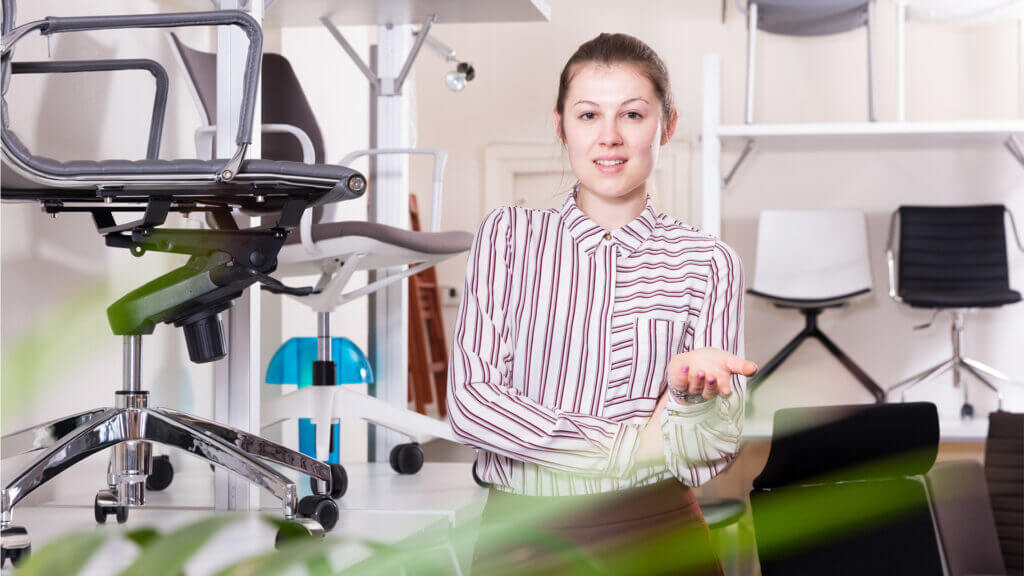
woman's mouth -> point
(610, 165)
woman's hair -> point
(610, 49)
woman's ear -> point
(670, 127)
(558, 126)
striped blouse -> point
(562, 341)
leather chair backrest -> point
(841, 492)
(953, 249)
(1004, 471)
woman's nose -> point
(609, 135)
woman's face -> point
(613, 128)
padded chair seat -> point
(423, 242)
(810, 17)
(280, 169)
(980, 299)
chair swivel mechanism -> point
(812, 260)
(952, 258)
(221, 265)
(334, 251)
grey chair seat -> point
(285, 171)
(810, 17)
(424, 242)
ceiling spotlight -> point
(456, 79)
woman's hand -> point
(707, 372)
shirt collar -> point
(589, 235)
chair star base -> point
(130, 429)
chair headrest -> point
(859, 442)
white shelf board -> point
(874, 134)
(398, 12)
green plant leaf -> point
(65, 555)
(309, 552)
(143, 536)
(168, 554)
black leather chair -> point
(1004, 471)
(842, 492)
(222, 264)
(952, 258)
(963, 516)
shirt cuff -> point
(691, 410)
(623, 450)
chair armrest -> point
(156, 124)
(440, 160)
(890, 257)
(1016, 231)
(204, 140)
(55, 25)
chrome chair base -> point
(130, 429)
(959, 365)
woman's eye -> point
(587, 116)
(634, 115)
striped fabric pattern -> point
(562, 342)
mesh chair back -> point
(812, 255)
(1004, 471)
(953, 249)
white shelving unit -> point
(1007, 134)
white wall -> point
(954, 73)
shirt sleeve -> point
(701, 440)
(483, 409)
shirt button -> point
(608, 236)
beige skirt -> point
(656, 529)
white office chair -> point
(806, 18)
(960, 11)
(811, 260)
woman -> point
(596, 356)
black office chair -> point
(952, 258)
(842, 492)
(222, 264)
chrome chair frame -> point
(958, 363)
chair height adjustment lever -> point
(929, 323)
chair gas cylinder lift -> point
(952, 258)
(806, 18)
(222, 264)
(811, 260)
(335, 251)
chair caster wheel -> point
(106, 504)
(320, 508)
(15, 545)
(297, 529)
(476, 478)
(339, 481)
(967, 411)
(407, 458)
(161, 474)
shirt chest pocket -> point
(654, 342)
